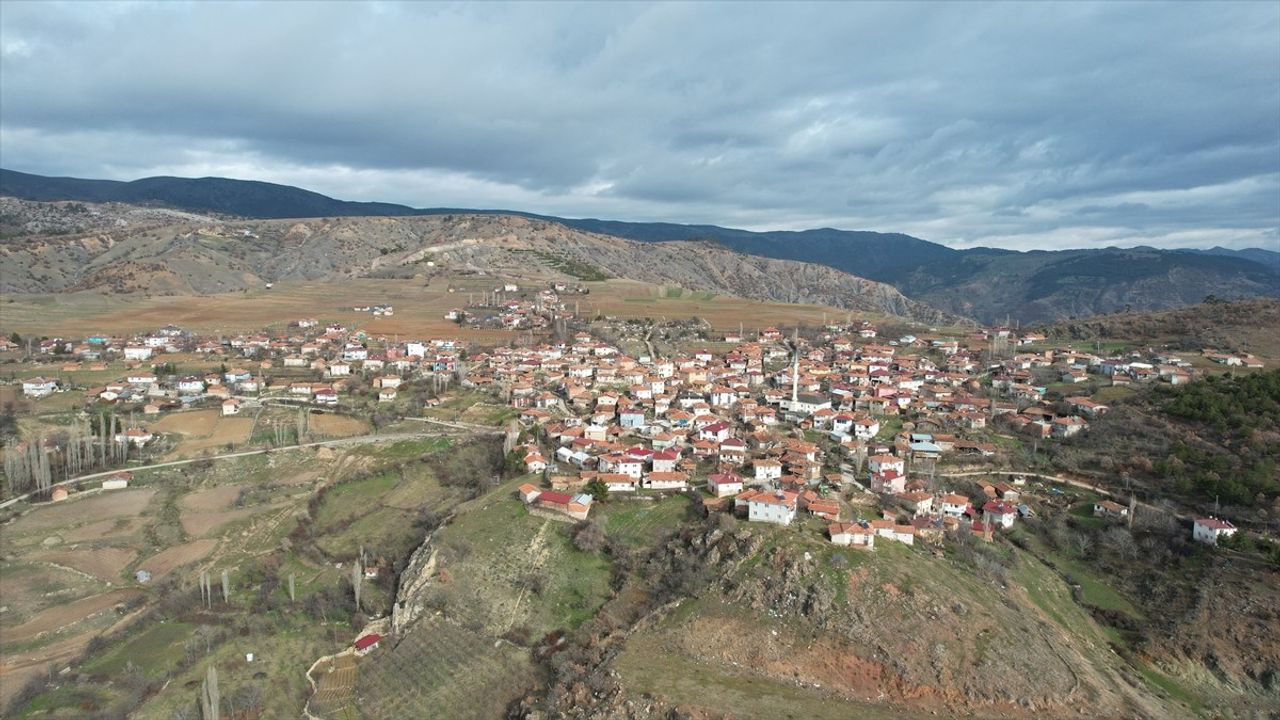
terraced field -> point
(440, 670)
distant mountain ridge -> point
(987, 284)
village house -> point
(852, 535)
(1210, 530)
(137, 436)
(367, 643)
(667, 481)
(1109, 509)
(724, 484)
(1000, 513)
(576, 507)
(777, 507)
(767, 470)
(917, 503)
(954, 505)
(38, 387)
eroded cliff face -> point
(414, 582)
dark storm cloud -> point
(1024, 125)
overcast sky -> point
(1016, 125)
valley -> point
(492, 466)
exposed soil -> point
(100, 506)
(105, 563)
(333, 425)
(169, 559)
(68, 614)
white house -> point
(668, 481)
(767, 470)
(954, 505)
(231, 407)
(38, 386)
(852, 534)
(866, 428)
(1001, 513)
(777, 507)
(1209, 530)
(617, 482)
(879, 464)
(137, 436)
(665, 460)
(137, 352)
(724, 484)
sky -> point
(1019, 125)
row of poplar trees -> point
(87, 446)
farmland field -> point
(203, 430)
(68, 574)
(419, 308)
(334, 425)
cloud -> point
(1045, 125)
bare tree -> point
(210, 699)
(1083, 542)
(357, 577)
(292, 597)
(226, 587)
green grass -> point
(404, 449)
(1112, 393)
(352, 498)
(1094, 590)
(890, 426)
(282, 646)
(68, 701)
(152, 651)
(1170, 687)
(493, 547)
(639, 523)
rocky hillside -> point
(987, 284)
(198, 255)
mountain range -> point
(987, 284)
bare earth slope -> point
(201, 255)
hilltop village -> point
(862, 436)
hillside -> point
(712, 617)
(245, 198)
(986, 284)
(1241, 326)
(217, 256)
(1048, 286)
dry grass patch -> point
(333, 425)
(67, 614)
(114, 530)
(170, 559)
(99, 507)
(105, 563)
